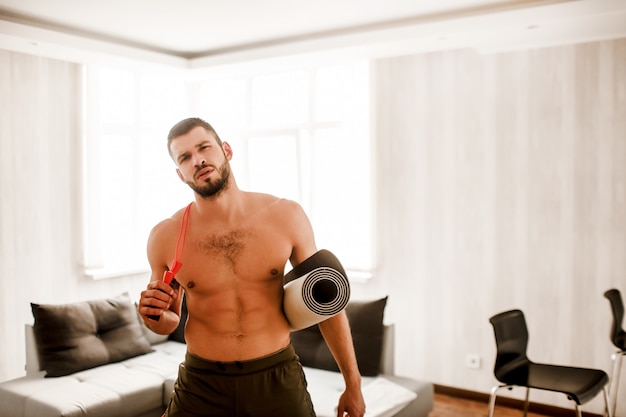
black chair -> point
(618, 337)
(514, 369)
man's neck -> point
(225, 206)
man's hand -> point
(351, 404)
(156, 299)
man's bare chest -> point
(234, 256)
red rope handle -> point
(168, 277)
(180, 243)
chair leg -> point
(492, 397)
(579, 413)
(526, 401)
(614, 381)
(607, 405)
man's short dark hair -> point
(184, 126)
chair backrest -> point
(617, 308)
(511, 336)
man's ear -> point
(180, 175)
(228, 151)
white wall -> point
(501, 184)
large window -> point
(131, 182)
(304, 135)
(298, 134)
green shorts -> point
(272, 386)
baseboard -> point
(545, 409)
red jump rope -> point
(169, 277)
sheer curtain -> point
(40, 153)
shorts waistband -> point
(198, 364)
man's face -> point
(202, 163)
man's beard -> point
(210, 189)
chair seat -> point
(580, 384)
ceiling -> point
(206, 31)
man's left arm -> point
(336, 332)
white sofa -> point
(141, 387)
(96, 358)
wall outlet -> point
(472, 361)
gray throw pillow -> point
(366, 325)
(83, 335)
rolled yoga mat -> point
(315, 290)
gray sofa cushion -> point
(78, 336)
(366, 324)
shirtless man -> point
(239, 359)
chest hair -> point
(228, 246)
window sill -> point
(113, 272)
(107, 273)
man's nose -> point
(199, 161)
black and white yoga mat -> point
(315, 290)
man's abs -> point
(243, 331)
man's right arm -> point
(159, 299)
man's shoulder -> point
(168, 223)
(273, 202)
(273, 207)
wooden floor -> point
(448, 406)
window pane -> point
(160, 193)
(116, 200)
(273, 166)
(330, 84)
(116, 96)
(340, 91)
(280, 99)
(341, 205)
(162, 102)
(224, 103)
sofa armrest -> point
(32, 356)
(387, 362)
